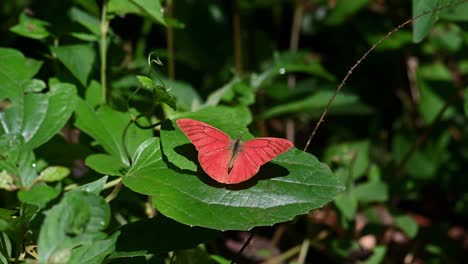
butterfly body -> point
(236, 147)
(226, 160)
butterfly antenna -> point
(363, 57)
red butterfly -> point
(226, 160)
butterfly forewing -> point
(213, 146)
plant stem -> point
(237, 40)
(114, 192)
(112, 183)
(124, 143)
(104, 28)
(303, 253)
(293, 46)
(286, 255)
(170, 42)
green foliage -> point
(72, 230)
(94, 169)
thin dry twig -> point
(340, 86)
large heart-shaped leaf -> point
(292, 184)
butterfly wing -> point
(213, 146)
(253, 154)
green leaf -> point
(347, 204)
(40, 194)
(20, 162)
(93, 187)
(105, 164)
(6, 181)
(60, 104)
(123, 7)
(94, 252)
(152, 8)
(106, 126)
(234, 89)
(4, 226)
(144, 236)
(435, 72)
(290, 62)
(188, 98)
(455, 13)
(232, 120)
(86, 20)
(430, 103)
(378, 255)
(375, 191)
(160, 92)
(84, 36)
(353, 156)
(38, 116)
(54, 173)
(31, 27)
(344, 104)
(35, 86)
(420, 165)
(78, 59)
(447, 38)
(78, 220)
(422, 25)
(15, 72)
(407, 224)
(89, 5)
(6, 213)
(396, 41)
(3, 258)
(93, 95)
(343, 10)
(293, 183)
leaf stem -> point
(111, 183)
(124, 143)
(114, 192)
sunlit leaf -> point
(31, 27)
(78, 59)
